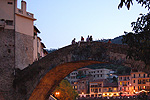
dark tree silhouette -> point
(128, 3)
(139, 41)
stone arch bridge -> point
(37, 81)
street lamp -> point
(57, 93)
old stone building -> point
(18, 43)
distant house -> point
(81, 80)
(134, 83)
(103, 88)
(95, 73)
(39, 47)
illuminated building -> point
(103, 88)
(134, 83)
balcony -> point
(24, 13)
(30, 14)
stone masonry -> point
(16, 53)
(37, 81)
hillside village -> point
(101, 83)
(21, 46)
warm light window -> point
(120, 83)
(115, 89)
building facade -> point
(94, 73)
(134, 83)
(103, 88)
(17, 43)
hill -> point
(116, 40)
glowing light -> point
(82, 92)
(57, 93)
(117, 93)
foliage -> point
(128, 3)
(139, 42)
(115, 79)
(65, 90)
(80, 75)
(122, 70)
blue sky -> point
(62, 20)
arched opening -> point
(49, 82)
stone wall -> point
(23, 50)
(6, 64)
(13, 56)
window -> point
(134, 87)
(9, 22)
(75, 87)
(92, 90)
(101, 75)
(144, 75)
(139, 75)
(120, 83)
(99, 89)
(134, 76)
(120, 78)
(133, 81)
(9, 51)
(97, 71)
(138, 87)
(144, 81)
(124, 88)
(125, 78)
(10, 3)
(139, 81)
(120, 88)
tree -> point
(80, 75)
(64, 91)
(128, 3)
(139, 41)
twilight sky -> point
(62, 20)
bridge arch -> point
(49, 82)
(37, 81)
